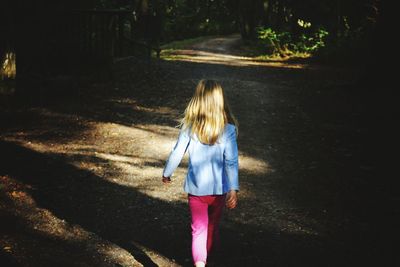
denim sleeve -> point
(177, 153)
(231, 163)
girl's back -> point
(209, 164)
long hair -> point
(208, 112)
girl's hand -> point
(166, 180)
(231, 199)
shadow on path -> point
(127, 217)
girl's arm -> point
(231, 160)
(177, 154)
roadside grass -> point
(258, 52)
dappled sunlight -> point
(141, 166)
(119, 158)
(197, 56)
(155, 256)
(42, 223)
(134, 105)
(166, 131)
(253, 165)
(134, 155)
(138, 160)
(142, 141)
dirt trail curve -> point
(89, 191)
(223, 44)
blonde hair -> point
(208, 112)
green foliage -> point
(285, 43)
(311, 43)
(272, 40)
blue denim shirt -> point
(213, 169)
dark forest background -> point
(58, 33)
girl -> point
(208, 133)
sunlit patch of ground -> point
(137, 161)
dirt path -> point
(80, 185)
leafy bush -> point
(271, 39)
(285, 43)
(311, 43)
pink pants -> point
(206, 213)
